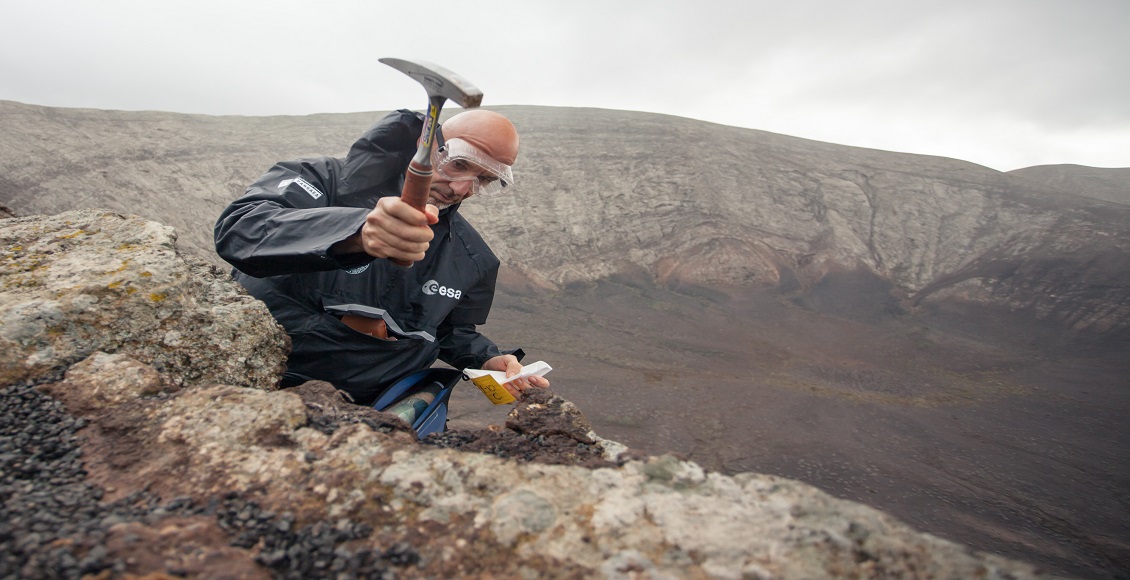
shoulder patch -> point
(305, 185)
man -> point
(315, 240)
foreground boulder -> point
(88, 281)
(143, 435)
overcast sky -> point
(1003, 83)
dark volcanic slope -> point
(974, 426)
(929, 336)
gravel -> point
(53, 523)
(314, 551)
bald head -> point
(487, 130)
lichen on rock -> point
(87, 281)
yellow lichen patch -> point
(146, 274)
(12, 282)
(120, 285)
(76, 234)
(24, 263)
(158, 296)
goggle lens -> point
(457, 160)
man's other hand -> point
(509, 364)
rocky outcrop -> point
(83, 282)
(192, 464)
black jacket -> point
(278, 234)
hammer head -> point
(438, 81)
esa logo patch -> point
(431, 288)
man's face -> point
(475, 158)
(445, 193)
(461, 170)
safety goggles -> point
(458, 160)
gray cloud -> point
(1007, 83)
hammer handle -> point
(417, 181)
(418, 178)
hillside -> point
(599, 193)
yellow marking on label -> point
(493, 390)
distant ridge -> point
(1098, 183)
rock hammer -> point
(441, 85)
